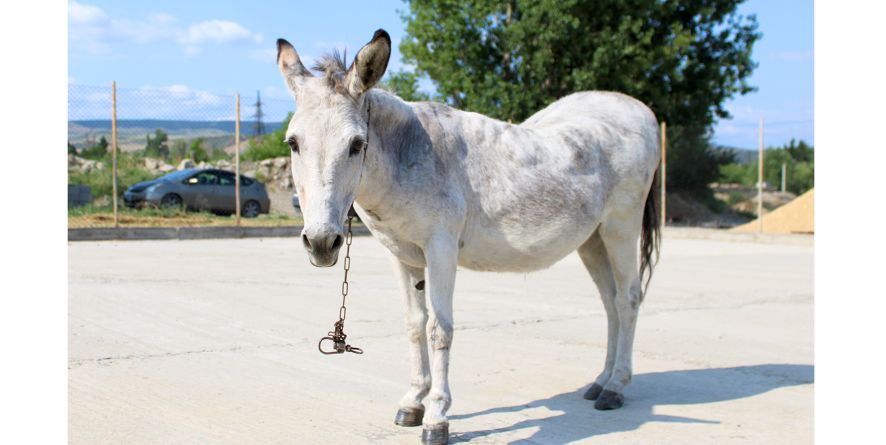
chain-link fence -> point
(162, 130)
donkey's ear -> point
(290, 65)
(370, 64)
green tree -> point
(797, 157)
(269, 145)
(405, 84)
(156, 146)
(196, 151)
(97, 151)
(510, 59)
(179, 150)
(800, 151)
(72, 150)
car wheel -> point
(171, 201)
(251, 209)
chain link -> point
(337, 336)
(344, 284)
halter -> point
(337, 336)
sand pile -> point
(797, 216)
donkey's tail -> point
(650, 237)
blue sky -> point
(207, 51)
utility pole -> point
(760, 183)
(664, 172)
(237, 163)
(114, 151)
(258, 126)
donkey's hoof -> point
(409, 416)
(609, 400)
(438, 435)
(593, 392)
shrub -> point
(271, 145)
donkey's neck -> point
(390, 122)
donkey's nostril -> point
(337, 243)
(306, 242)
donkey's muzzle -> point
(322, 247)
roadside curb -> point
(186, 233)
(738, 237)
(192, 233)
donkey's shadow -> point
(577, 419)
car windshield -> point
(175, 176)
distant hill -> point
(170, 125)
(131, 132)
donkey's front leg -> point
(441, 255)
(412, 285)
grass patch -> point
(103, 216)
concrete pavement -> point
(214, 341)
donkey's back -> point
(536, 191)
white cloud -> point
(183, 95)
(79, 13)
(268, 55)
(217, 31)
(92, 30)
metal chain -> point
(345, 287)
(337, 336)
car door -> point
(224, 198)
(200, 190)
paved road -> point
(215, 342)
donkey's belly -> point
(523, 247)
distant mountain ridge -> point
(227, 126)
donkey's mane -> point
(333, 65)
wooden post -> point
(760, 183)
(664, 172)
(237, 161)
(784, 177)
(114, 151)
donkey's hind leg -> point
(595, 258)
(620, 236)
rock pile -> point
(82, 165)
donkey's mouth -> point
(323, 260)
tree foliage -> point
(96, 152)
(510, 59)
(405, 84)
(799, 161)
(269, 145)
(157, 146)
(196, 151)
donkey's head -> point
(328, 135)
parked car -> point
(200, 189)
(295, 204)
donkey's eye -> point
(357, 145)
(293, 144)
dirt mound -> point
(685, 210)
(797, 216)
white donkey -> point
(442, 188)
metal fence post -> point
(760, 183)
(237, 161)
(664, 172)
(114, 151)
